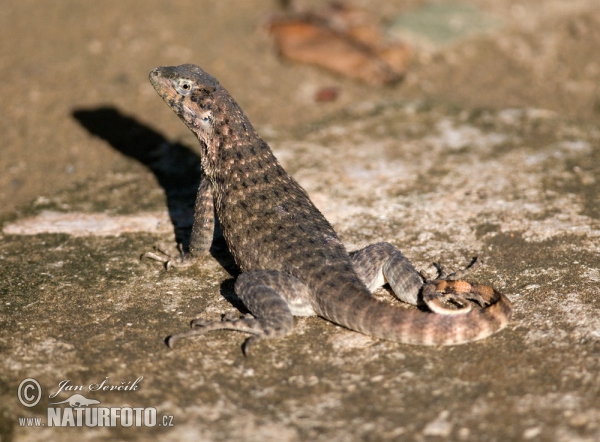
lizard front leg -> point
(202, 232)
(272, 297)
(382, 262)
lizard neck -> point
(245, 161)
(233, 145)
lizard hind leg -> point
(382, 263)
(246, 324)
(271, 297)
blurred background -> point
(59, 57)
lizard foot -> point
(246, 324)
(439, 293)
(459, 274)
(162, 255)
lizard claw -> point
(249, 343)
(170, 340)
(442, 275)
(198, 323)
(459, 274)
(199, 326)
(228, 317)
(164, 256)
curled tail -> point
(367, 315)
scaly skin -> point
(292, 260)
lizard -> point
(292, 262)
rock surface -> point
(491, 147)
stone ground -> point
(489, 147)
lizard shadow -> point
(175, 166)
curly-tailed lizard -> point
(292, 261)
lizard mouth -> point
(157, 80)
(162, 83)
(163, 79)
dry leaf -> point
(344, 40)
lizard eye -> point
(184, 87)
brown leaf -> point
(344, 40)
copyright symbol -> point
(30, 392)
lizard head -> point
(192, 94)
(206, 108)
